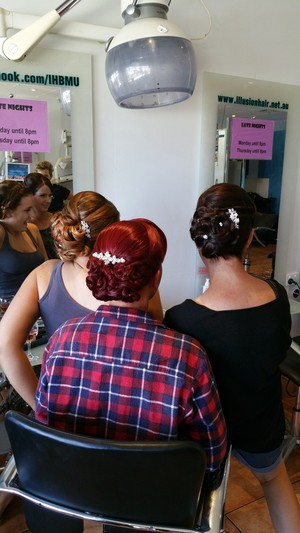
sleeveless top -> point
(56, 305)
(15, 266)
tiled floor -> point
(246, 510)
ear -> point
(154, 283)
(250, 238)
(157, 277)
(8, 213)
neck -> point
(222, 269)
(142, 304)
(81, 262)
(9, 228)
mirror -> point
(57, 118)
(235, 87)
(251, 167)
(42, 76)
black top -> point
(48, 243)
(245, 348)
(60, 194)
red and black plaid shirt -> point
(118, 374)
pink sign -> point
(23, 125)
(251, 138)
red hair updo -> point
(125, 258)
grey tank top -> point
(56, 305)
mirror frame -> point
(43, 61)
(214, 84)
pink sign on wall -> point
(251, 138)
(23, 125)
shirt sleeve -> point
(41, 398)
(205, 418)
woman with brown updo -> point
(243, 322)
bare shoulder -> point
(33, 229)
(43, 274)
(46, 268)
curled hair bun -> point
(223, 221)
(213, 231)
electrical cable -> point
(296, 292)
(210, 24)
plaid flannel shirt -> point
(119, 374)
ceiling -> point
(189, 14)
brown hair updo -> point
(77, 226)
(213, 231)
(135, 249)
(11, 194)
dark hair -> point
(45, 165)
(214, 231)
(137, 248)
(11, 194)
(76, 227)
(34, 181)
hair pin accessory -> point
(234, 217)
(205, 236)
(108, 258)
(221, 224)
(86, 228)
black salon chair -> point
(67, 478)
(290, 368)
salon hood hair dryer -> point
(150, 62)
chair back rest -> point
(146, 482)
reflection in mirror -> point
(260, 177)
(16, 164)
(47, 70)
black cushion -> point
(290, 367)
(147, 482)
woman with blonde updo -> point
(57, 290)
(243, 322)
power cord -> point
(296, 292)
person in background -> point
(142, 381)
(21, 245)
(42, 190)
(244, 323)
(60, 193)
(57, 290)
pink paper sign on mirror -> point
(251, 138)
(24, 125)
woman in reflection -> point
(57, 290)
(244, 323)
(42, 190)
(60, 193)
(21, 245)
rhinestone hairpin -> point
(234, 217)
(86, 228)
(107, 258)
